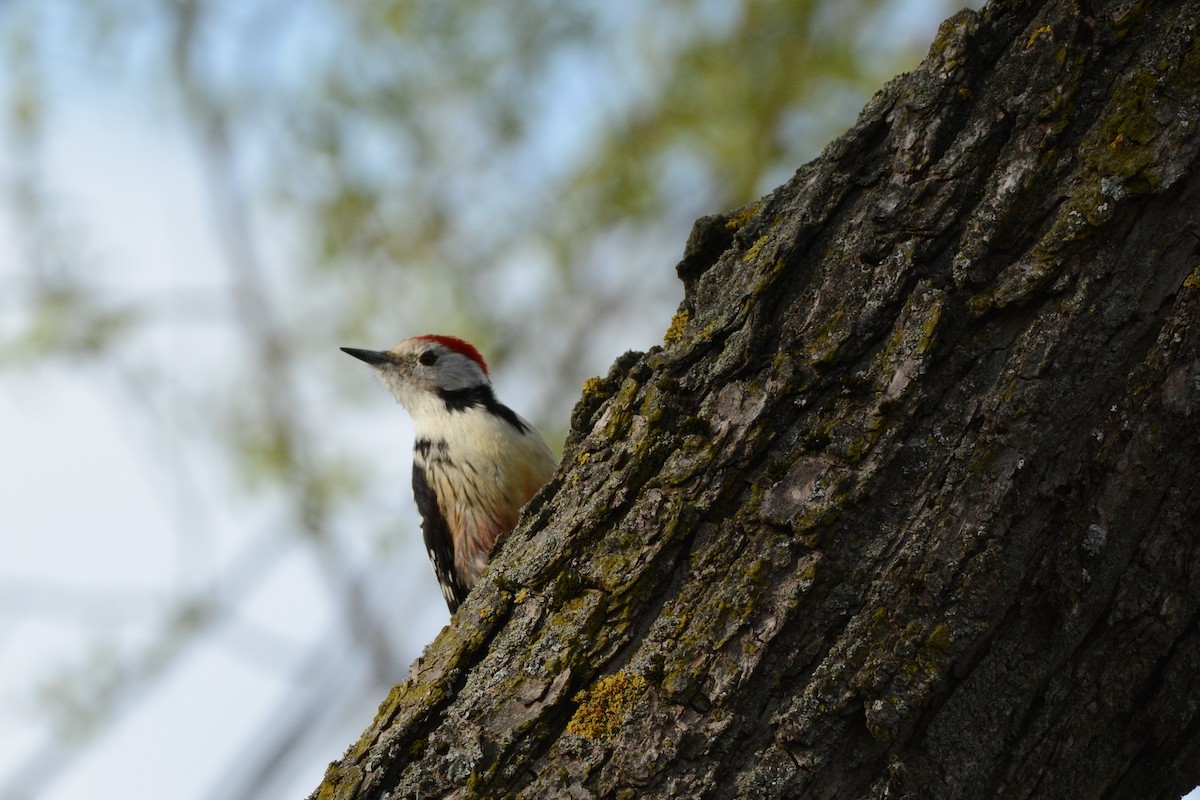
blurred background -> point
(211, 568)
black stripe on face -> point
(438, 541)
(483, 397)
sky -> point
(89, 524)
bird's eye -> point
(428, 358)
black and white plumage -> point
(476, 462)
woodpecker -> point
(476, 462)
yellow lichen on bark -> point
(602, 708)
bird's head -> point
(426, 372)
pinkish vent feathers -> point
(457, 345)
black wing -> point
(438, 541)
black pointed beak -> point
(374, 357)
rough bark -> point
(907, 504)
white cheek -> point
(392, 382)
(402, 388)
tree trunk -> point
(907, 504)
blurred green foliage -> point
(435, 153)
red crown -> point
(457, 345)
